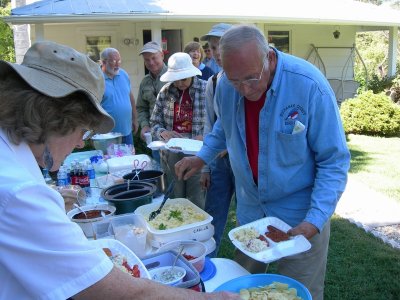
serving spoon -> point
(166, 195)
(177, 256)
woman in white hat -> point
(179, 112)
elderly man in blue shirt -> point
(280, 123)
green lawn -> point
(360, 266)
(376, 162)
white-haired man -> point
(281, 125)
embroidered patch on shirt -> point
(292, 113)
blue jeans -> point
(127, 139)
(156, 155)
(219, 195)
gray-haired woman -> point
(48, 105)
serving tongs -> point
(166, 195)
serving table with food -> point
(115, 214)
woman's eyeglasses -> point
(87, 134)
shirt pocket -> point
(291, 149)
(149, 94)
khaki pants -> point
(189, 189)
(308, 267)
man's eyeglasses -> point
(114, 61)
(251, 81)
(87, 134)
(207, 50)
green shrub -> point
(377, 84)
(371, 114)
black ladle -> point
(166, 195)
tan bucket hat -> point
(57, 71)
(180, 66)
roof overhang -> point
(338, 12)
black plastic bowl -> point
(151, 176)
(126, 201)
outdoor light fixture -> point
(130, 41)
(336, 33)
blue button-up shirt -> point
(301, 175)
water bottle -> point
(68, 170)
(91, 173)
(62, 177)
(46, 176)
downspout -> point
(156, 31)
(21, 35)
(392, 51)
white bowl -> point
(163, 275)
(87, 224)
(191, 248)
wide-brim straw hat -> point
(57, 71)
(180, 66)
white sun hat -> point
(180, 66)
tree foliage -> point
(6, 36)
(373, 48)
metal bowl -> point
(102, 141)
(151, 176)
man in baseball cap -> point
(217, 31)
(150, 86)
(151, 47)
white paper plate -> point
(275, 250)
(188, 146)
(117, 247)
(156, 145)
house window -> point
(279, 40)
(96, 44)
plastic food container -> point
(200, 231)
(131, 231)
(106, 229)
(162, 259)
(194, 249)
(116, 164)
(87, 224)
(168, 275)
(275, 250)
